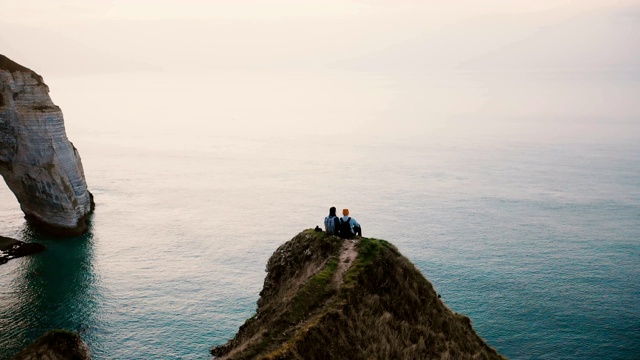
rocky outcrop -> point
(37, 161)
(12, 248)
(56, 345)
(378, 306)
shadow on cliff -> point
(56, 289)
(34, 230)
(38, 229)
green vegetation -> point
(314, 291)
(367, 249)
(383, 309)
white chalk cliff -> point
(37, 161)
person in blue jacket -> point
(332, 222)
(349, 227)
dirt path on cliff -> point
(348, 254)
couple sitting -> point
(345, 227)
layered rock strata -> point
(37, 161)
(322, 301)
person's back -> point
(331, 222)
(349, 227)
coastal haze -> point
(495, 143)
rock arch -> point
(39, 164)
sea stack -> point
(37, 161)
(328, 298)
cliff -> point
(328, 298)
(37, 161)
(56, 345)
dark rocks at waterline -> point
(56, 345)
(12, 248)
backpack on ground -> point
(344, 231)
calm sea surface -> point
(530, 225)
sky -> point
(381, 66)
(73, 36)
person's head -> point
(345, 212)
(332, 210)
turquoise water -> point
(536, 240)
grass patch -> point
(313, 293)
(385, 309)
(283, 351)
(368, 248)
(278, 339)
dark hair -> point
(332, 210)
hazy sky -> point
(565, 67)
(72, 36)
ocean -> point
(518, 198)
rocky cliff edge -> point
(328, 298)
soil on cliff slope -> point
(378, 306)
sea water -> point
(530, 228)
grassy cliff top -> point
(318, 303)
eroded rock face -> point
(37, 161)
